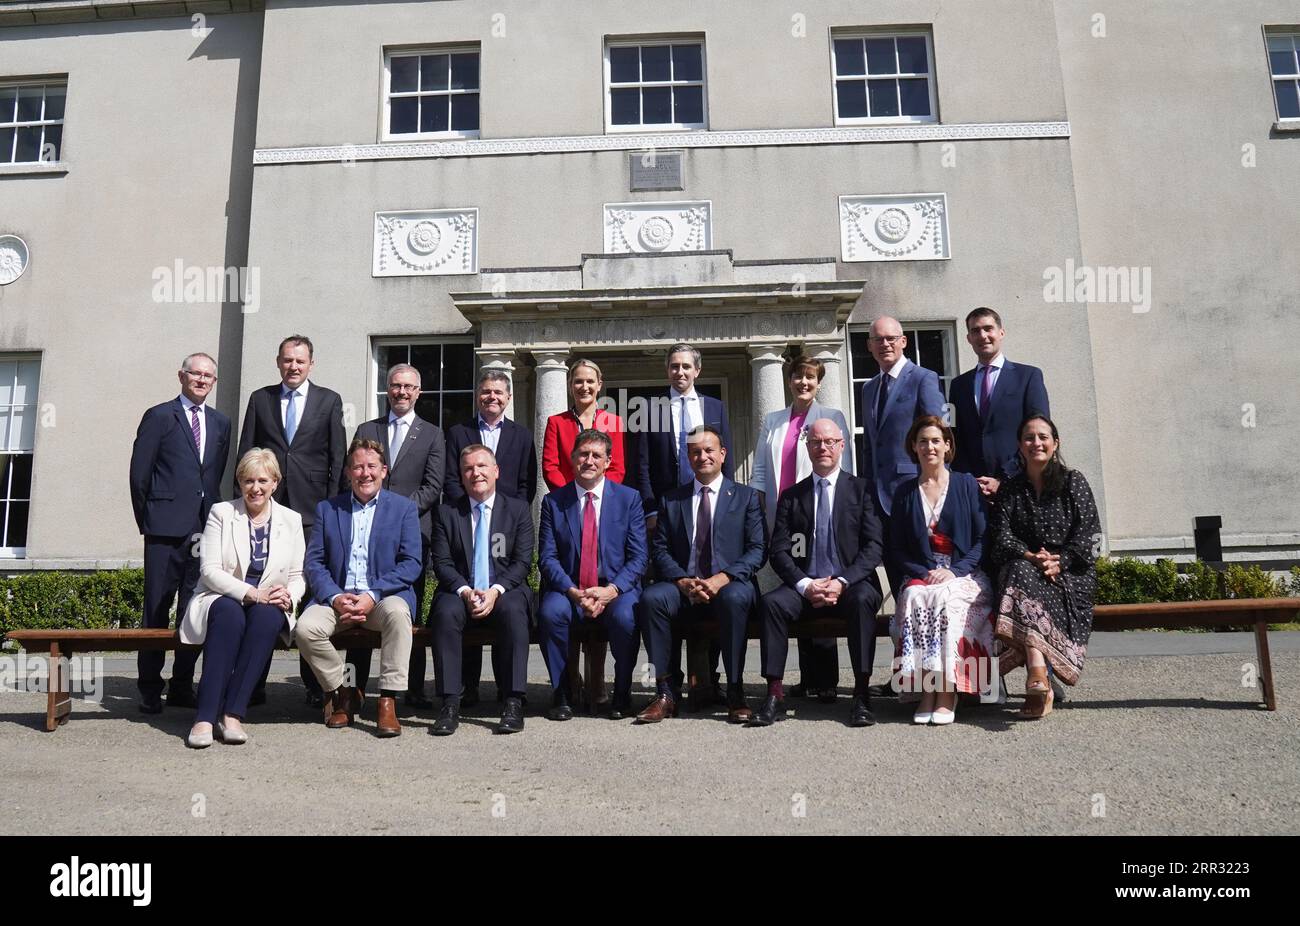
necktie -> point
(882, 397)
(482, 570)
(986, 393)
(704, 537)
(589, 564)
(395, 441)
(683, 460)
(291, 418)
(822, 564)
(197, 430)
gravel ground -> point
(1160, 737)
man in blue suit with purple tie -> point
(592, 555)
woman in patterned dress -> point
(1042, 542)
(942, 630)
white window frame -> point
(45, 83)
(378, 343)
(948, 331)
(1292, 35)
(32, 407)
(385, 132)
(931, 83)
(702, 83)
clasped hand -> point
(824, 593)
(276, 595)
(480, 602)
(352, 609)
(593, 600)
(702, 591)
(1048, 563)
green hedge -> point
(1132, 581)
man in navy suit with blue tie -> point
(177, 462)
(710, 542)
(592, 555)
(989, 403)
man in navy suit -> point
(592, 555)
(362, 560)
(710, 542)
(516, 454)
(177, 463)
(989, 402)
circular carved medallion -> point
(14, 258)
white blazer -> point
(767, 458)
(224, 555)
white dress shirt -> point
(203, 423)
(993, 368)
(598, 491)
(694, 415)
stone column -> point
(769, 381)
(503, 361)
(550, 392)
(832, 392)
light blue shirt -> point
(490, 434)
(358, 575)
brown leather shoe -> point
(661, 708)
(336, 708)
(387, 717)
(738, 711)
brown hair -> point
(919, 425)
(365, 443)
(804, 361)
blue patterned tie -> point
(482, 575)
(822, 565)
(684, 473)
(291, 418)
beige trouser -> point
(391, 617)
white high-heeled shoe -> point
(942, 720)
(921, 718)
(199, 740)
(231, 737)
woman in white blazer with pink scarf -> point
(250, 583)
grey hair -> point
(185, 364)
(497, 375)
(403, 368)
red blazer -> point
(557, 447)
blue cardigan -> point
(962, 520)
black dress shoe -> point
(257, 698)
(560, 709)
(827, 696)
(766, 715)
(448, 720)
(182, 696)
(470, 697)
(621, 707)
(315, 699)
(417, 699)
(512, 718)
(882, 691)
(151, 704)
(860, 715)
(802, 691)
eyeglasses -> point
(403, 387)
(886, 339)
(825, 442)
(201, 377)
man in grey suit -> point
(415, 449)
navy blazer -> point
(657, 452)
(452, 553)
(418, 470)
(992, 448)
(858, 534)
(171, 489)
(739, 533)
(392, 557)
(623, 556)
(962, 521)
(915, 394)
(516, 457)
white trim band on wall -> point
(565, 144)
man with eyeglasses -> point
(177, 463)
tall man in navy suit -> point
(516, 454)
(710, 542)
(891, 400)
(302, 424)
(361, 564)
(592, 555)
(989, 403)
(414, 449)
(177, 463)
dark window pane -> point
(6, 465)
(29, 144)
(52, 148)
(458, 366)
(54, 100)
(930, 346)
(433, 114)
(1282, 62)
(404, 73)
(456, 407)
(464, 72)
(390, 356)
(864, 365)
(911, 55)
(624, 66)
(849, 60)
(21, 487)
(6, 145)
(687, 63)
(404, 115)
(689, 103)
(884, 97)
(29, 103)
(427, 407)
(625, 107)
(17, 527)
(654, 62)
(910, 351)
(852, 97)
(657, 105)
(427, 358)
(880, 56)
(433, 72)
(1288, 101)
(915, 94)
(464, 112)
(8, 97)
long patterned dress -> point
(1054, 617)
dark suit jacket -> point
(171, 489)
(622, 556)
(392, 558)
(857, 531)
(418, 470)
(962, 521)
(516, 456)
(312, 466)
(657, 452)
(511, 530)
(739, 533)
(885, 461)
(992, 448)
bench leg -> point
(58, 700)
(1265, 664)
(595, 651)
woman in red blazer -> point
(562, 429)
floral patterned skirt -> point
(1054, 618)
(944, 629)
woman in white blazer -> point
(780, 460)
(250, 583)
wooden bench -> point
(1259, 612)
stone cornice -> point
(74, 11)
